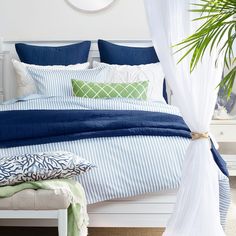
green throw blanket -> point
(77, 212)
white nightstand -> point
(224, 131)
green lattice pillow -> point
(84, 89)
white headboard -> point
(9, 88)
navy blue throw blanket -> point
(31, 127)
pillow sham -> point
(58, 82)
(41, 166)
(47, 56)
(25, 85)
(130, 74)
(122, 55)
(137, 90)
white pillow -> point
(130, 74)
(24, 82)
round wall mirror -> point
(90, 5)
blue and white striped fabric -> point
(58, 82)
(127, 166)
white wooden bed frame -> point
(150, 210)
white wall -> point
(29, 20)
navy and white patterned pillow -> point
(41, 166)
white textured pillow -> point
(130, 74)
(26, 85)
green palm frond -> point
(218, 29)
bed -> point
(137, 177)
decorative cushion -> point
(40, 199)
(26, 85)
(58, 82)
(45, 56)
(136, 90)
(130, 74)
(122, 55)
(41, 166)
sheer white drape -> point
(197, 209)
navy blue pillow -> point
(47, 56)
(122, 55)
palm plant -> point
(219, 28)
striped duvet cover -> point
(126, 166)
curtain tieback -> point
(196, 136)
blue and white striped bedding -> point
(126, 166)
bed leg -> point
(62, 222)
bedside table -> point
(224, 131)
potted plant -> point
(218, 28)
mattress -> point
(126, 166)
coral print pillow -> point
(41, 166)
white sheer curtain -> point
(197, 209)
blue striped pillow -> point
(58, 82)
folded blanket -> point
(32, 127)
(77, 212)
